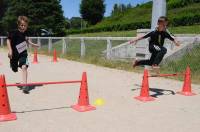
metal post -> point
(82, 47)
(50, 45)
(39, 42)
(159, 9)
(1, 41)
(29, 45)
(109, 49)
(64, 46)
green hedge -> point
(178, 21)
(180, 3)
(186, 20)
(116, 27)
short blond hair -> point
(22, 18)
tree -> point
(120, 8)
(67, 23)
(129, 6)
(115, 9)
(3, 8)
(46, 14)
(92, 11)
(75, 22)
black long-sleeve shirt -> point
(158, 37)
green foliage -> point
(180, 3)
(77, 23)
(190, 59)
(140, 17)
(42, 14)
(194, 29)
(120, 8)
(3, 6)
(92, 11)
(116, 27)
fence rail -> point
(64, 41)
(50, 42)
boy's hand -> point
(10, 55)
(132, 42)
(36, 45)
(177, 44)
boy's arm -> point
(141, 37)
(31, 43)
(176, 42)
(10, 53)
(136, 39)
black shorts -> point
(18, 61)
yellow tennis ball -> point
(99, 102)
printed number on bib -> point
(21, 47)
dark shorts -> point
(18, 61)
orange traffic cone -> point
(144, 94)
(5, 113)
(187, 89)
(83, 101)
(35, 58)
(55, 56)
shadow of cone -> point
(55, 56)
(5, 112)
(187, 89)
(35, 58)
(83, 101)
(144, 93)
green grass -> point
(134, 15)
(190, 59)
(108, 34)
(94, 56)
(194, 29)
(93, 53)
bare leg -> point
(24, 74)
(24, 79)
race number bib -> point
(21, 47)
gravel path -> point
(47, 108)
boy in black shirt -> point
(17, 49)
(156, 43)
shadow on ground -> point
(32, 87)
(39, 110)
(157, 92)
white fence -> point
(111, 51)
(65, 41)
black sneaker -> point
(25, 89)
(135, 63)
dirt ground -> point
(47, 108)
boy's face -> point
(161, 25)
(22, 26)
(166, 23)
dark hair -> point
(22, 18)
(164, 18)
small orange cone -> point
(83, 101)
(144, 93)
(35, 58)
(187, 89)
(55, 56)
(5, 112)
